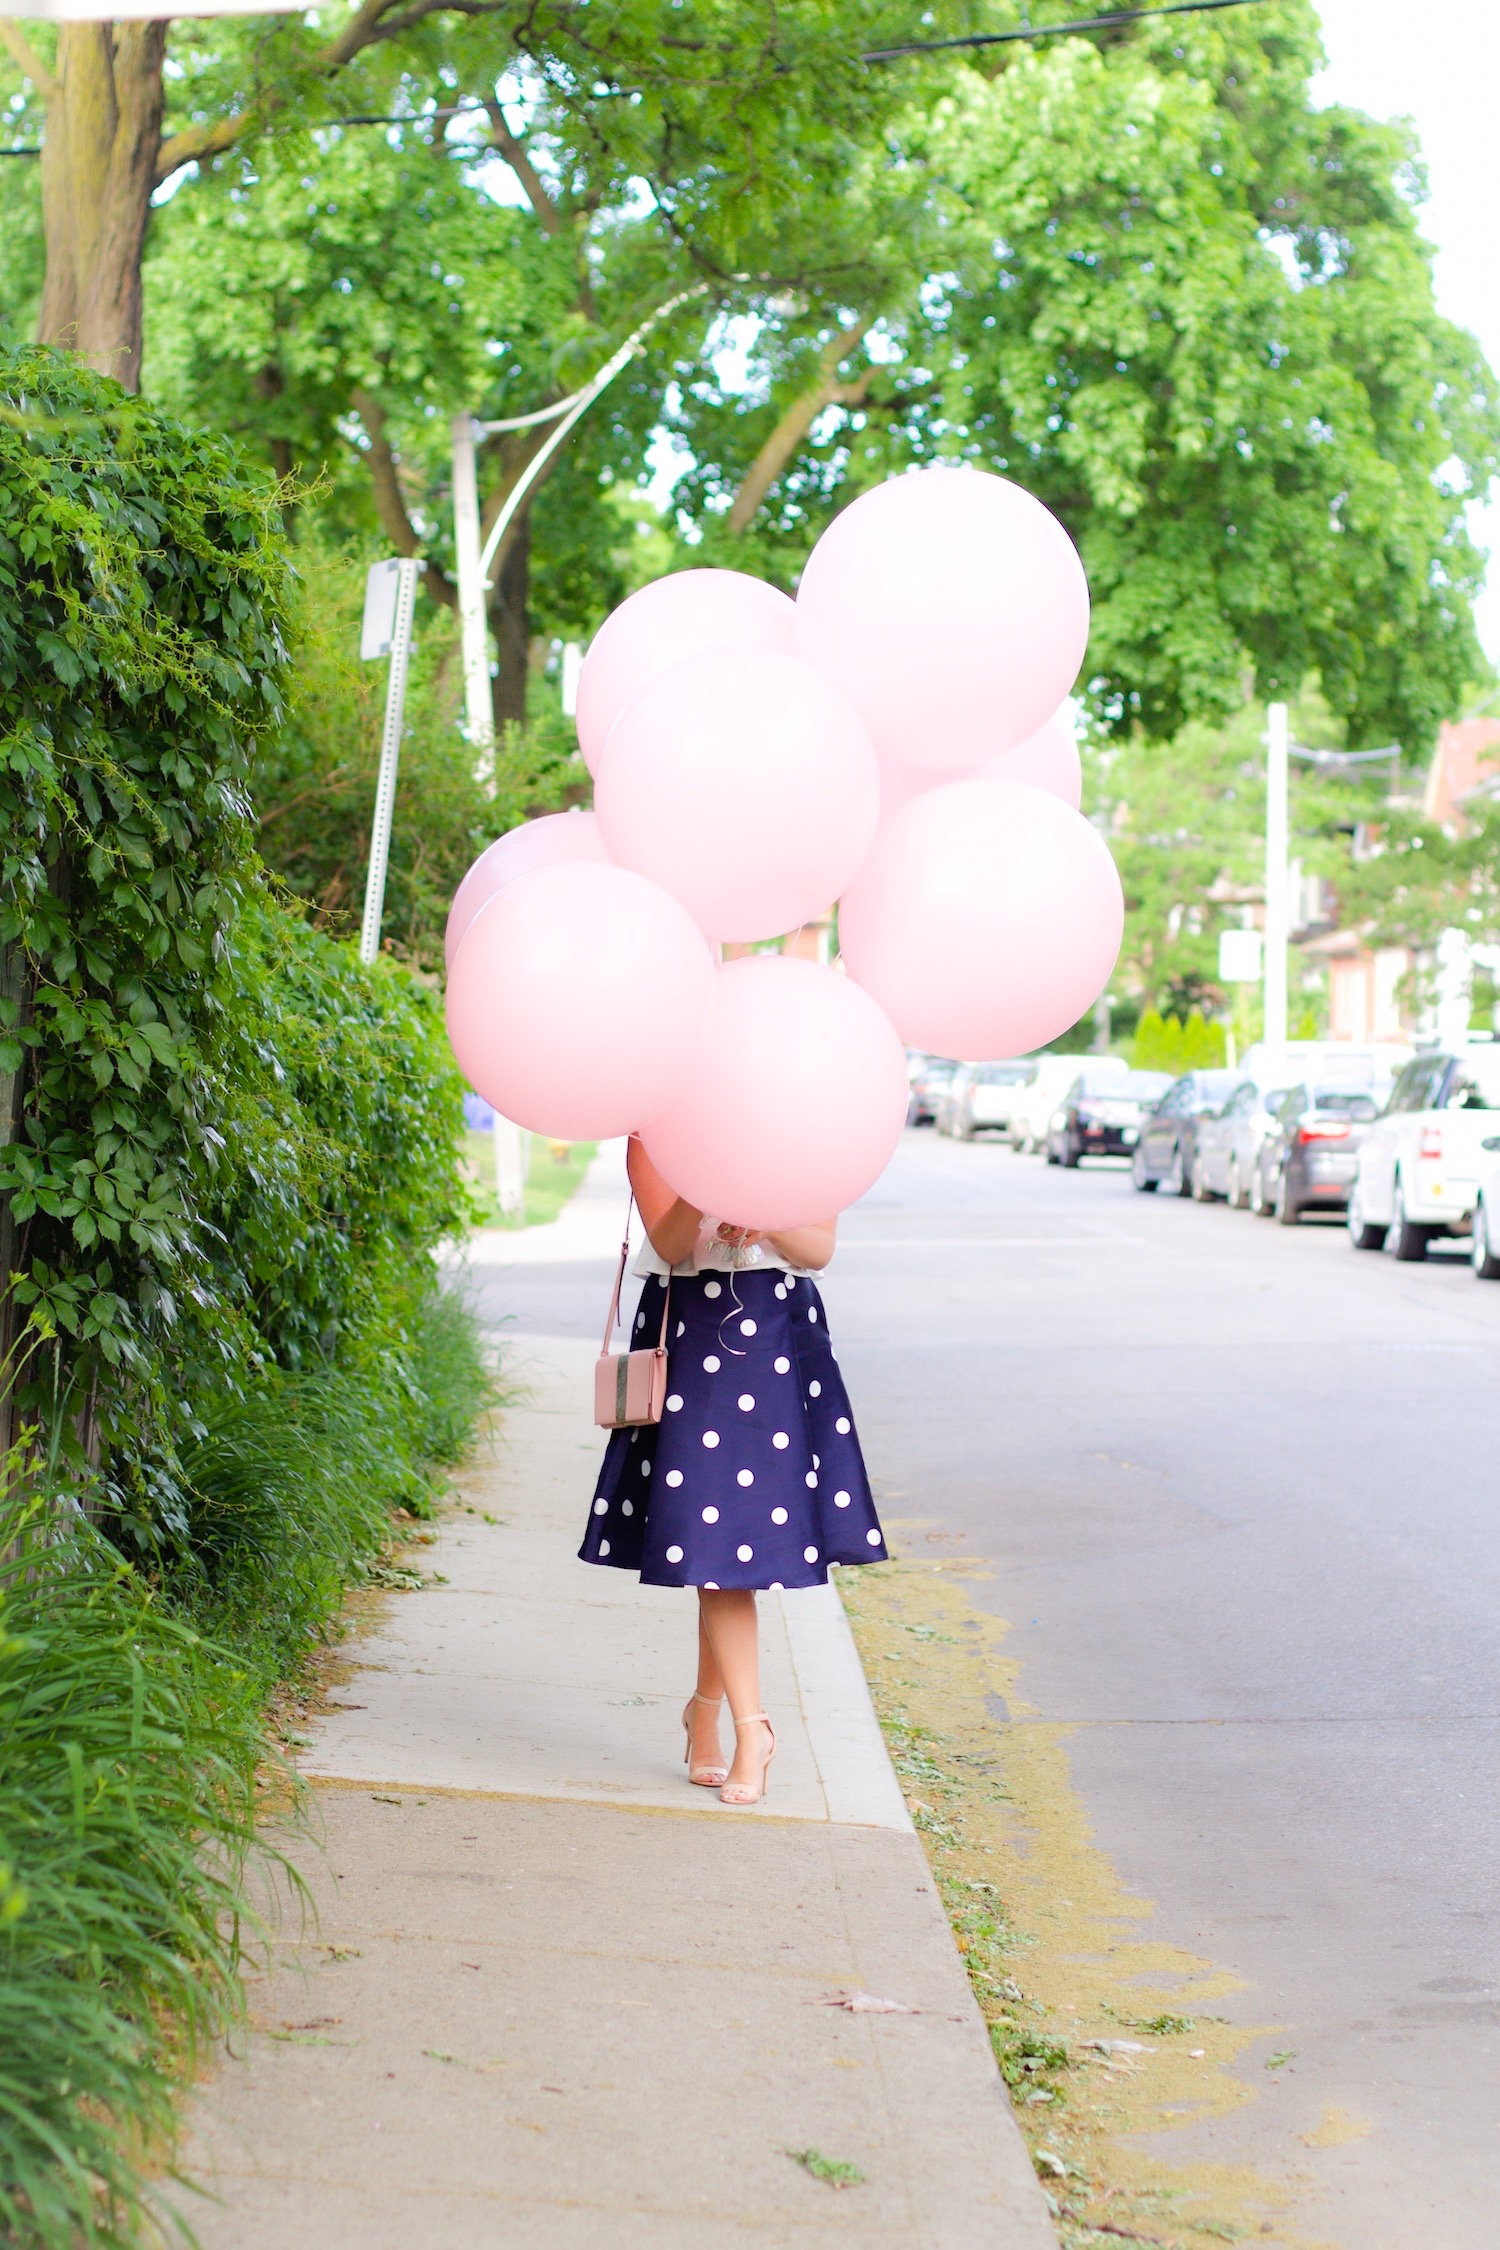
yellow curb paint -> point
(1049, 1931)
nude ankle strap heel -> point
(736, 1792)
(702, 1777)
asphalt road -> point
(1241, 1491)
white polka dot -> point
(873, 1537)
(745, 1554)
(674, 1477)
(682, 1327)
(812, 1312)
(783, 1367)
(627, 1507)
(747, 1328)
(645, 1468)
(815, 1390)
(812, 1482)
(674, 1403)
(603, 1548)
(781, 1288)
(809, 1554)
(712, 1364)
(841, 1499)
(710, 1439)
(674, 1554)
(781, 1441)
(747, 1476)
(778, 1515)
(842, 1425)
(601, 1507)
(710, 1585)
(777, 1587)
(747, 1403)
(710, 1515)
(712, 1289)
(817, 1464)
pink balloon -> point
(577, 1000)
(985, 921)
(899, 784)
(536, 843)
(674, 617)
(744, 783)
(1049, 760)
(952, 609)
(796, 1102)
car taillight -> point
(1430, 1147)
(1306, 1133)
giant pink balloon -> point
(674, 617)
(744, 783)
(952, 608)
(796, 1101)
(986, 919)
(536, 843)
(899, 784)
(577, 1000)
(1049, 760)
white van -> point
(1420, 1162)
(1032, 1113)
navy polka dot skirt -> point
(753, 1476)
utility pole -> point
(479, 710)
(1277, 889)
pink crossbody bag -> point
(630, 1388)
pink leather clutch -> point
(630, 1388)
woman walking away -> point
(753, 1477)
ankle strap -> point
(751, 1716)
(714, 1700)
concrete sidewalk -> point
(557, 1997)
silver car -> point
(1227, 1145)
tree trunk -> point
(104, 112)
(509, 598)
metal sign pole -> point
(379, 588)
(1277, 901)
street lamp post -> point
(390, 600)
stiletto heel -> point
(734, 1792)
(702, 1777)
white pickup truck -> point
(1421, 1161)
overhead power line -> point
(1119, 18)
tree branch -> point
(514, 153)
(798, 419)
(195, 142)
(27, 60)
(390, 504)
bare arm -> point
(810, 1246)
(672, 1224)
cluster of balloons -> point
(890, 740)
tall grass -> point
(132, 1747)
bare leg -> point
(733, 1629)
(703, 1712)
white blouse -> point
(710, 1255)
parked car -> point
(1308, 1162)
(1164, 1152)
(1420, 1162)
(1101, 1113)
(1037, 1103)
(1484, 1245)
(982, 1098)
(1227, 1146)
(928, 1080)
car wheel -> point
(1285, 1211)
(1177, 1182)
(1484, 1253)
(1072, 1154)
(1404, 1240)
(1361, 1233)
(1140, 1178)
(1237, 1196)
(1202, 1192)
(1258, 1203)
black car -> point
(1164, 1152)
(1309, 1161)
(1101, 1113)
